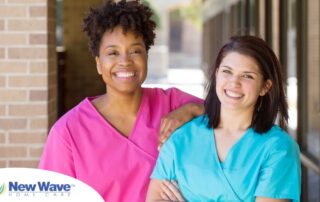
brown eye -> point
(226, 71)
(137, 51)
(247, 76)
(112, 53)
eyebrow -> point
(247, 72)
(133, 44)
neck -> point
(120, 103)
(235, 120)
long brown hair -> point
(268, 107)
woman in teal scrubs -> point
(234, 152)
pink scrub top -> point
(82, 144)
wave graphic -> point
(2, 188)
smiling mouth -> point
(125, 74)
(232, 94)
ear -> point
(266, 87)
(98, 65)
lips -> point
(125, 74)
(233, 94)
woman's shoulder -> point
(279, 139)
(74, 113)
(191, 131)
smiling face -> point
(122, 61)
(239, 82)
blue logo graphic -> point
(2, 188)
(42, 187)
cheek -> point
(255, 88)
(220, 81)
(144, 67)
(143, 62)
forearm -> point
(154, 191)
(195, 109)
(262, 199)
(164, 191)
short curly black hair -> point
(130, 15)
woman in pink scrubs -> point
(110, 141)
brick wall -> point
(27, 79)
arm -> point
(261, 199)
(163, 191)
(177, 118)
(154, 191)
(57, 153)
(279, 175)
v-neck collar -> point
(233, 147)
(219, 166)
(110, 126)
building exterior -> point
(31, 92)
(291, 27)
(27, 79)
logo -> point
(39, 186)
(35, 185)
(2, 188)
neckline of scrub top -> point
(109, 125)
(224, 163)
(217, 163)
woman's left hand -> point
(170, 191)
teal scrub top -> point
(265, 165)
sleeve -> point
(164, 168)
(179, 98)
(280, 175)
(57, 154)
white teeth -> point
(233, 94)
(124, 74)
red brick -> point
(3, 164)
(14, 123)
(38, 11)
(24, 163)
(27, 53)
(2, 138)
(12, 67)
(12, 39)
(38, 67)
(13, 151)
(36, 151)
(28, 110)
(12, 11)
(13, 95)
(28, 81)
(27, 25)
(2, 110)
(38, 123)
(38, 39)
(2, 81)
(26, 2)
(1, 25)
(27, 137)
(2, 52)
(38, 95)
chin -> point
(130, 90)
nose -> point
(125, 59)
(235, 80)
